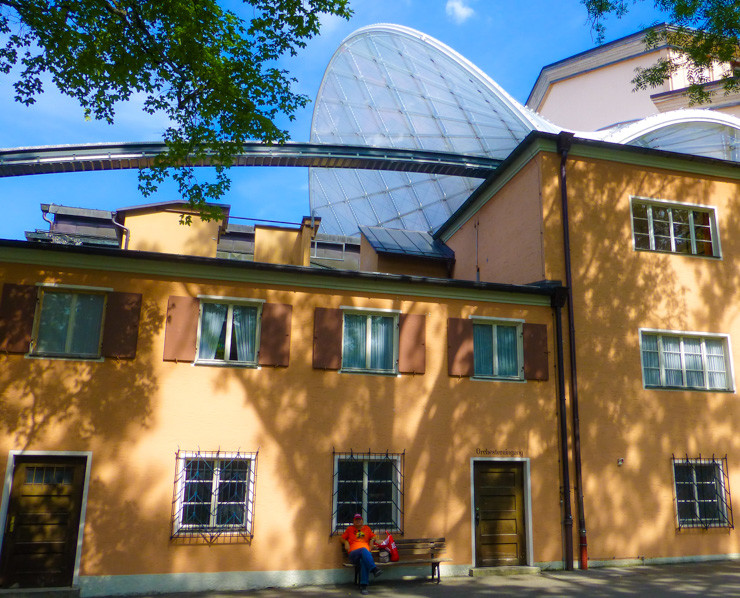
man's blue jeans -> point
(363, 558)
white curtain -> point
(381, 343)
(245, 327)
(213, 322)
(355, 335)
(672, 360)
(650, 360)
(483, 349)
(716, 364)
(506, 351)
(693, 361)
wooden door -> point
(42, 525)
(499, 514)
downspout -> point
(564, 142)
(557, 302)
(126, 232)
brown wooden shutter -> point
(275, 334)
(460, 347)
(327, 339)
(17, 309)
(181, 328)
(412, 344)
(535, 352)
(121, 326)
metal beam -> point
(117, 156)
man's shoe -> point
(377, 572)
(363, 590)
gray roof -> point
(406, 242)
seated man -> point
(357, 540)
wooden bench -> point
(411, 551)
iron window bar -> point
(360, 493)
(214, 495)
(703, 498)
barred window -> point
(702, 492)
(214, 494)
(370, 484)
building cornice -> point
(177, 267)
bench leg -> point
(435, 569)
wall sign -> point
(484, 452)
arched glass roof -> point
(391, 86)
(698, 132)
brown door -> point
(499, 514)
(41, 529)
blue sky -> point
(509, 40)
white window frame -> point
(230, 302)
(730, 374)
(720, 475)
(663, 203)
(182, 528)
(397, 485)
(494, 322)
(369, 313)
(75, 291)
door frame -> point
(5, 503)
(526, 481)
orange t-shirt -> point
(358, 538)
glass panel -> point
(682, 235)
(672, 360)
(693, 362)
(642, 241)
(355, 337)
(483, 349)
(716, 363)
(88, 316)
(650, 360)
(381, 343)
(213, 331)
(244, 334)
(198, 490)
(230, 514)
(506, 351)
(56, 309)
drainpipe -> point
(564, 142)
(126, 232)
(557, 302)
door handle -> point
(477, 517)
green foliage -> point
(703, 33)
(209, 71)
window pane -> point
(506, 351)
(672, 360)
(56, 309)
(381, 343)
(88, 315)
(716, 364)
(642, 241)
(682, 237)
(244, 334)
(231, 514)
(483, 349)
(213, 331)
(355, 337)
(693, 361)
(650, 360)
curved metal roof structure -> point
(120, 156)
(699, 132)
(392, 86)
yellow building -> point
(653, 256)
(174, 420)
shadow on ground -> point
(709, 580)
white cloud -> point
(458, 10)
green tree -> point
(212, 73)
(703, 31)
